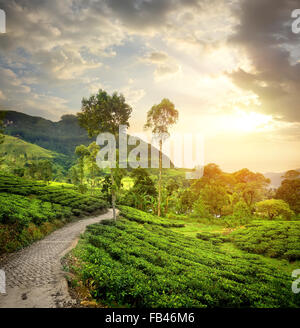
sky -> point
(231, 67)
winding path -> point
(33, 275)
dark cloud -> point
(143, 14)
(265, 34)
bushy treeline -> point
(230, 198)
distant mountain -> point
(276, 178)
(61, 137)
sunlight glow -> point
(243, 121)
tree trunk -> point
(159, 180)
(167, 205)
(113, 195)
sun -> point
(242, 121)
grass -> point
(192, 226)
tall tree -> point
(252, 186)
(159, 118)
(289, 190)
(45, 170)
(273, 208)
(82, 152)
(105, 113)
(92, 167)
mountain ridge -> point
(61, 137)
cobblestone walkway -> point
(33, 275)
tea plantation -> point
(142, 217)
(139, 263)
(275, 239)
(30, 209)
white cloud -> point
(2, 96)
(165, 65)
(131, 95)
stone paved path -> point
(33, 275)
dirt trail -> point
(34, 278)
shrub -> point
(143, 217)
(146, 265)
(200, 209)
(274, 239)
(31, 209)
(274, 208)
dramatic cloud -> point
(228, 65)
(265, 35)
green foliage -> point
(142, 217)
(147, 265)
(215, 198)
(20, 210)
(81, 204)
(18, 156)
(274, 239)
(143, 192)
(274, 208)
(2, 115)
(104, 113)
(81, 152)
(73, 175)
(241, 215)
(289, 191)
(252, 186)
(159, 118)
(143, 183)
(200, 209)
(241, 210)
(25, 201)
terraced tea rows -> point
(147, 265)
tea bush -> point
(25, 203)
(66, 197)
(141, 264)
(143, 217)
(275, 239)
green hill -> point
(15, 147)
(61, 137)
(15, 152)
